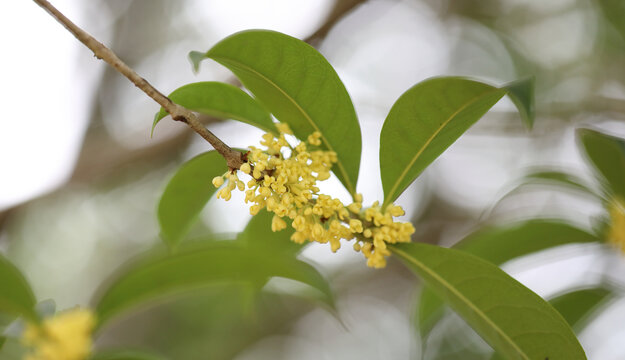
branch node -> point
(180, 118)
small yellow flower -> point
(245, 168)
(355, 226)
(218, 181)
(284, 128)
(277, 224)
(616, 234)
(65, 336)
(314, 138)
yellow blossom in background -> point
(65, 336)
(284, 181)
(616, 234)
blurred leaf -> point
(16, 296)
(220, 100)
(200, 266)
(521, 92)
(498, 244)
(614, 11)
(454, 339)
(5, 320)
(196, 58)
(2, 341)
(607, 154)
(12, 349)
(46, 308)
(425, 121)
(430, 309)
(560, 178)
(124, 355)
(511, 318)
(258, 235)
(186, 195)
(577, 306)
(298, 85)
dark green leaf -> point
(425, 121)
(258, 235)
(186, 195)
(124, 355)
(298, 85)
(16, 296)
(220, 100)
(521, 92)
(199, 266)
(607, 154)
(577, 306)
(499, 244)
(516, 322)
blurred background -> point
(81, 176)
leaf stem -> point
(177, 112)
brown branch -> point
(177, 112)
(340, 10)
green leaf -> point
(124, 355)
(577, 306)
(614, 12)
(258, 235)
(498, 244)
(521, 92)
(186, 195)
(607, 154)
(552, 178)
(560, 178)
(516, 322)
(200, 266)
(16, 296)
(222, 101)
(425, 121)
(298, 85)
(196, 58)
(13, 349)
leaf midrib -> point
(339, 163)
(388, 198)
(461, 297)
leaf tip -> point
(156, 120)
(521, 92)
(196, 57)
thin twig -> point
(177, 112)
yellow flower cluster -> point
(616, 234)
(65, 336)
(283, 180)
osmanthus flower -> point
(616, 232)
(284, 181)
(64, 336)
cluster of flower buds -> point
(284, 181)
(66, 335)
